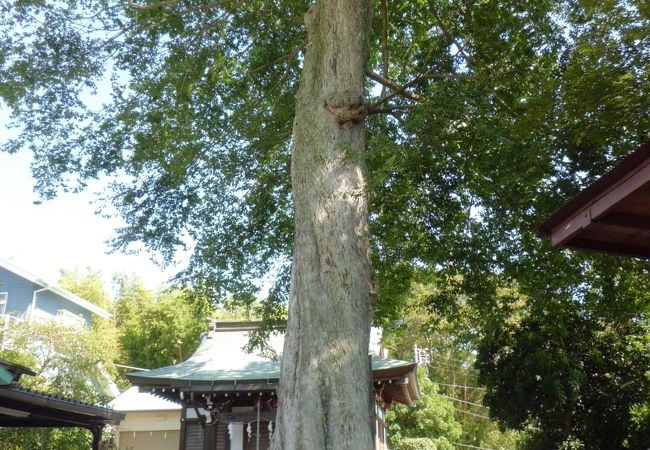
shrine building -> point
(228, 397)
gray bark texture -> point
(324, 400)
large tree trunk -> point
(324, 387)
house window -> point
(3, 303)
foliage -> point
(506, 110)
(417, 444)
(87, 285)
(66, 359)
(639, 426)
(70, 362)
(573, 368)
(507, 126)
(52, 439)
(439, 320)
(433, 419)
(157, 329)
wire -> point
(471, 413)
(471, 446)
(465, 401)
(460, 385)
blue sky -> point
(62, 233)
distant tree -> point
(157, 329)
(440, 321)
(432, 418)
(72, 362)
(572, 367)
(86, 284)
(131, 297)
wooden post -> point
(97, 436)
(257, 439)
(371, 404)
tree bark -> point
(324, 400)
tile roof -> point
(222, 360)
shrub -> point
(417, 444)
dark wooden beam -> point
(32, 423)
(625, 220)
(610, 247)
(250, 416)
(598, 208)
(34, 402)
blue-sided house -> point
(24, 296)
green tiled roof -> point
(221, 358)
(6, 377)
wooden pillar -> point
(183, 430)
(97, 436)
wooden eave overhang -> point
(612, 215)
(21, 407)
(25, 408)
(396, 385)
(11, 373)
(220, 368)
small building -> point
(151, 422)
(612, 215)
(228, 397)
(24, 296)
(20, 407)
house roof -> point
(612, 214)
(101, 312)
(22, 407)
(221, 360)
(11, 373)
(26, 408)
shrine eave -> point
(612, 215)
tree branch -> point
(150, 6)
(288, 56)
(447, 76)
(398, 90)
(446, 32)
(389, 109)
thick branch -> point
(399, 90)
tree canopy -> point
(157, 329)
(87, 285)
(498, 112)
(71, 362)
(484, 116)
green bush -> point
(417, 444)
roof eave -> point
(580, 201)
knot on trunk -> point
(348, 107)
